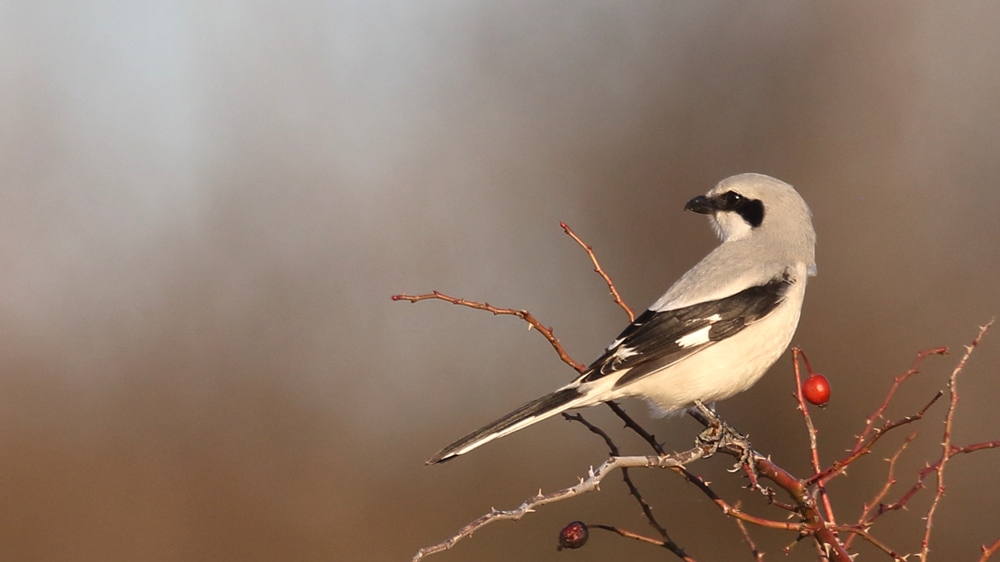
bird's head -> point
(754, 206)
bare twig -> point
(522, 314)
(731, 510)
(589, 484)
(927, 471)
(612, 447)
(813, 519)
(989, 551)
(812, 524)
(869, 508)
(814, 449)
(634, 426)
(667, 542)
(863, 446)
(863, 533)
(642, 538)
(877, 414)
(946, 447)
(758, 556)
(796, 353)
(618, 410)
(600, 271)
(838, 466)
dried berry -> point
(573, 535)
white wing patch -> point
(623, 353)
(695, 338)
(699, 336)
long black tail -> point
(534, 411)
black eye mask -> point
(752, 210)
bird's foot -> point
(720, 435)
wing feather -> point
(657, 339)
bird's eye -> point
(732, 198)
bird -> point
(716, 330)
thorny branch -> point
(758, 556)
(864, 522)
(600, 271)
(813, 448)
(497, 311)
(589, 484)
(838, 466)
(989, 551)
(923, 473)
(638, 429)
(647, 511)
(863, 533)
(946, 446)
(863, 447)
(804, 492)
(900, 379)
(642, 538)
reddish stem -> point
(522, 314)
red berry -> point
(573, 535)
(816, 389)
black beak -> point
(702, 205)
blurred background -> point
(204, 209)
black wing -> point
(657, 339)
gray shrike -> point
(716, 331)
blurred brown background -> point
(205, 210)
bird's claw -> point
(720, 435)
